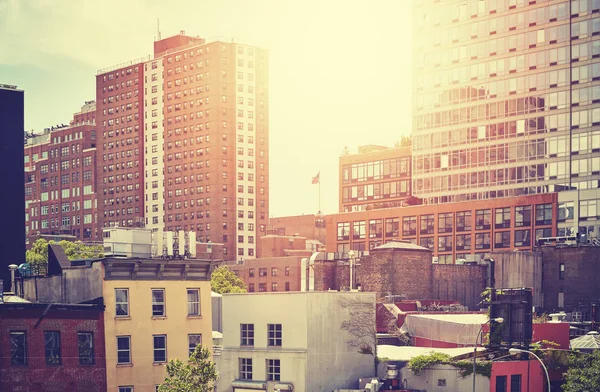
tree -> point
(361, 325)
(198, 375)
(405, 141)
(38, 254)
(345, 152)
(224, 281)
(584, 373)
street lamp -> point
(498, 320)
(514, 351)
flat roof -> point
(406, 353)
(472, 318)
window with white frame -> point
(158, 302)
(247, 334)
(160, 348)
(245, 368)
(122, 302)
(123, 350)
(193, 298)
(194, 340)
(275, 334)
(273, 370)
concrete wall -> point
(332, 363)
(519, 269)
(75, 285)
(143, 373)
(429, 380)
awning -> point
(252, 385)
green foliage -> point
(465, 366)
(421, 362)
(198, 375)
(38, 254)
(224, 281)
(542, 318)
(584, 373)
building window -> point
(18, 348)
(274, 334)
(543, 233)
(273, 271)
(463, 220)
(445, 223)
(483, 219)
(409, 226)
(85, 343)
(482, 241)
(501, 384)
(262, 287)
(502, 240)
(250, 287)
(274, 286)
(343, 231)
(193, 298)
(251, 272)
(246, 334)
(158, 302)
(123, 349)
(561, 271)
(375, 228)
(522, 238)
(543, 214)
(358, 230)
(245, 368)
(52, 347)
(262, 272)
(287, 271)
(392, 227)
(125, 389)
(445, 243)
(463, 242)
(502, 218)
(194, 340)
(427, 224)
(522, 216)
(273, 370)
(122, 302)
(287, 286)
(160, 348)
(515, 383)
(427, 242)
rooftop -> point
(406, 353)
(401, 245)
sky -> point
(340, 71)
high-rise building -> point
(60, 172)
(184, 142)
(506, 98)
(12, 197)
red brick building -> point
(56, 347)
(270, 274)
(453, 231)
(185, 142)
(310, 226)
(60, 169)
(376, 177)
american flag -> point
(317, 179)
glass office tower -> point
(506, 98)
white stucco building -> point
(295, 341)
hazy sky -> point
(339, 70)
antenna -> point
(158, 28)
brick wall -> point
(579, 283)
(36, 375)
(463, 283)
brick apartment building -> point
(184, 142)
(453, 231)
(57, 347)
(375, 177)
(309, 226)
(60, 172)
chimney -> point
(12, 269)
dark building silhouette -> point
(12, 196)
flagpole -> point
(319, 191)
